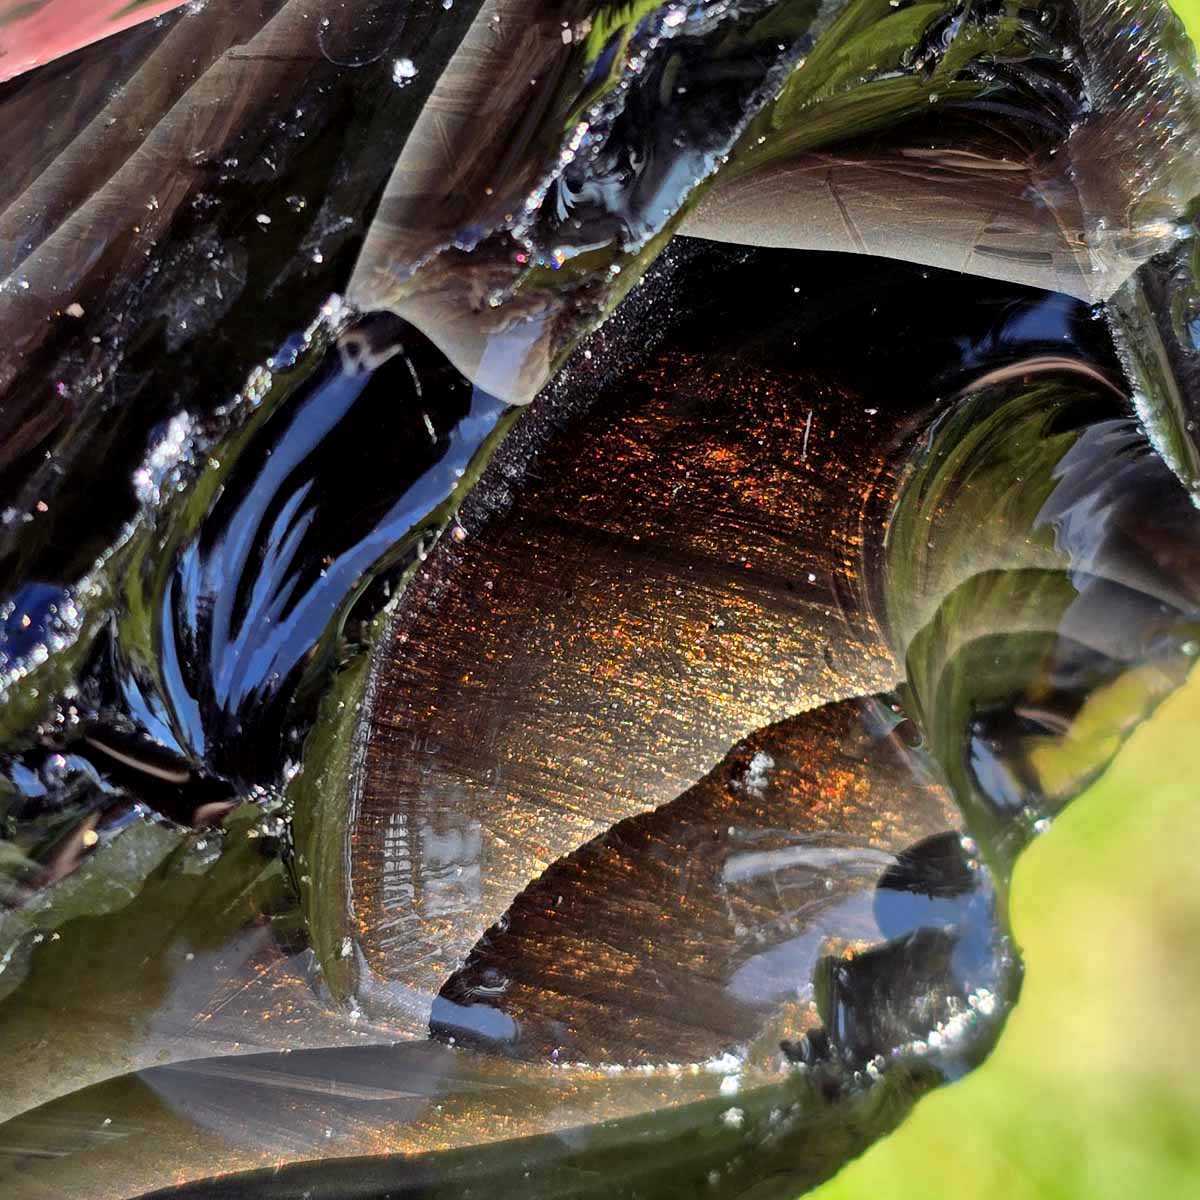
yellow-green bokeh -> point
(1094, 1090)
(1189, 10)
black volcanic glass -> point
(552, 561)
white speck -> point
(730, 1085)
(74, 310)
(347, 946)
(807, 431)
(164, 460)
(733, 1117)
(811, 577)
(567, 37)
(403, 70)
(263, 219)
(757, 773)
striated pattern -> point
(667, 579)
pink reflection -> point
(35, 31)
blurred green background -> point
(1094, 1090)
(1189, 10)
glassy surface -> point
(554, 562)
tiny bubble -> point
(403, 71)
